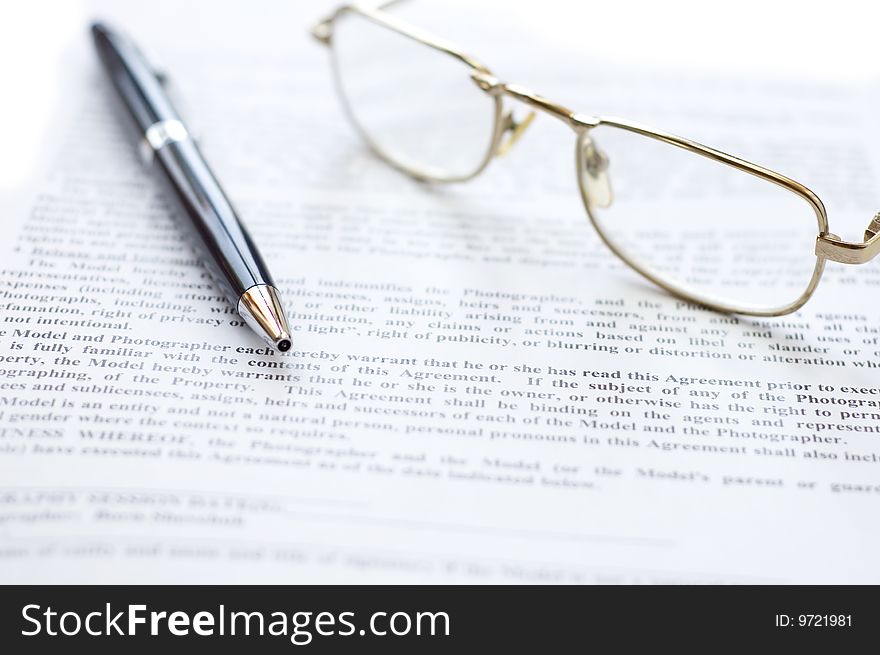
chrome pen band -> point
(160, 134)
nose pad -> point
(515, 130)
(595, 179)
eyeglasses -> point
(704, 225)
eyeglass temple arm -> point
(323, 30)
(387, 4)
(319, 29)
(836, 249)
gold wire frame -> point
(828, 246)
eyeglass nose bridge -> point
(492, 85)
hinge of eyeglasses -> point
(836, 249)
(323, 31)
(874, 228)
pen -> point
(229, 252)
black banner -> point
(429, 619)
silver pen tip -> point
(261, 308)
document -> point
(479, 391)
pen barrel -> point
(217, 235)
(215, 230)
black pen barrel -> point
(216, 231)
(233, 258)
